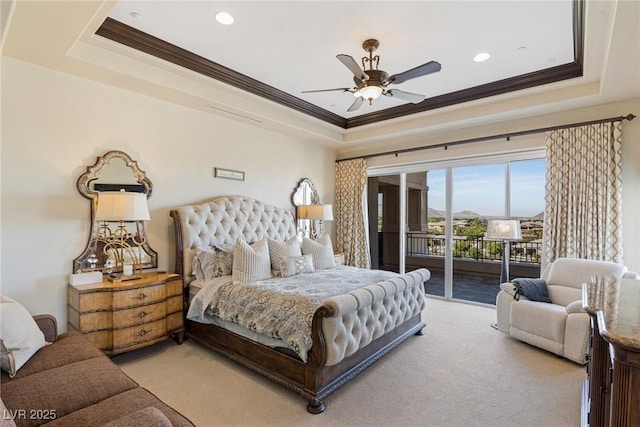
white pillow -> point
(251, 262)
(280, 250)
(321, 250)
(20, 337)
(290, 266)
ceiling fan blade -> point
(356, 104)
(343, 89)
(405, 96)
(352, 65)
(419, 71)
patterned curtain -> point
(583, 201)
(351, 213)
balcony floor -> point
(467, 287)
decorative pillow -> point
(251, 262)
(20, 337)
(211, 263)
(321, 250)
(533, 289)
(290, 266)
(280, 250)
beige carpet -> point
(461, 372)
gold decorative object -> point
(121, 207)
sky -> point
(481, 189)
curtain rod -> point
(446, 145)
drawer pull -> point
(142, 314)
(143, 332)
(141, 296)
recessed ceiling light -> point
(481, 57)
(224, 18)
(135, 15)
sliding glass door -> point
(478, 194)
(436, 218)
(426, 226)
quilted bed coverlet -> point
(282, 308)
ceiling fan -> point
(372, 83)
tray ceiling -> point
(278, 49)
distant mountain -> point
(435, 213)
(466, 214)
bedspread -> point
(283, 308)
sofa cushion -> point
(71, 347)
(116, 407)
(65, 389)
(544, 320)
(147, 417)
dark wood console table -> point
(611, 392)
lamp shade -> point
(503, 229)
(317, 212)
(122, 206)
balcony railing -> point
(473, 248)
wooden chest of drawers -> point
(611, 393)
(123, 316)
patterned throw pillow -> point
(280, 250)
(321, 250)
(290, 266)
(211, 263)
(251, 262)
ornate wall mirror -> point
(114, 172)
(305, 194)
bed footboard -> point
(349, 322)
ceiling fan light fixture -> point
(369, 92)
(372, 83)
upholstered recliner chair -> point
(562, 326)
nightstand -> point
(122, 316)
(339, 258)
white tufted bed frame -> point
(349, 332)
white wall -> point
(53, 127)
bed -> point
(347, 332)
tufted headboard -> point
(221, 222)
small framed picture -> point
(228, 173)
